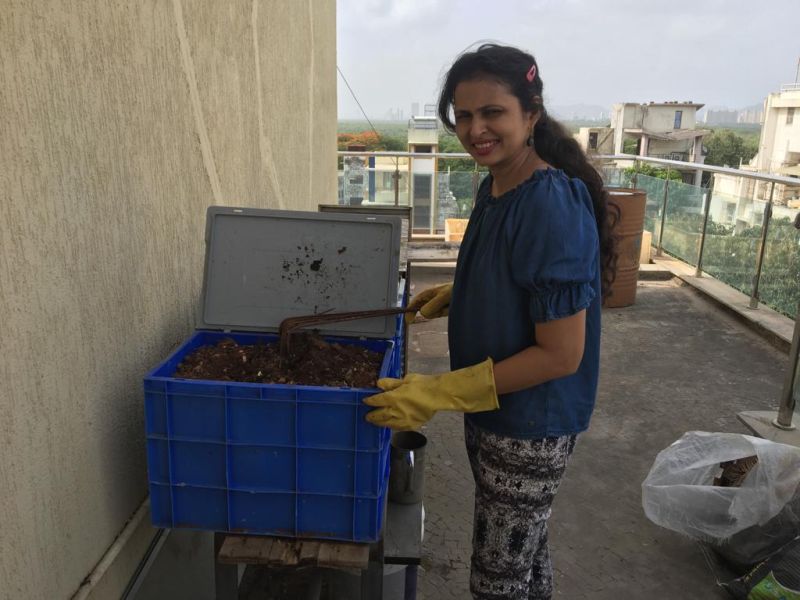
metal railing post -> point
(762, 246)
(635, 180)
(659, 249)
(786, 408)
(709, 195)
(396, 183)
(434, 200)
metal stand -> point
(411, 583)
(780, 428)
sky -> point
(723, 53)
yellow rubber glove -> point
(431, 303)
(412, 401)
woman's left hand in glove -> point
(412, 401)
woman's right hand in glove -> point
(431, 303)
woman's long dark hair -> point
(553, 143)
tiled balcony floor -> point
(671, 363)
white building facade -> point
(778, 152)
(423, 137)
(661, 130)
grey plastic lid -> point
(263, 266)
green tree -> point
(651, 171)
(448, 143)
(630, 146)
(726, 148)
(372, 141)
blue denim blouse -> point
(529, 256)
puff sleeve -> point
(555, 249)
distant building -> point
(394, 114)
(423, 137)
(596, 140)
(661, 129)
(752, 116)
(421, 190)
(779, 146)
(721, 117)
(778, 152)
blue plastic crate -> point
(399, 339)
(399, 349)
(289, 460)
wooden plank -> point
(231, 549)
(243, 549)
(262, 550)
(344, 555)
(309, 552)
(352, 555)
(324, 555)
(277, 552)
(290, 556)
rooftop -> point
(666, 103)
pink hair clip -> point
(531, 73)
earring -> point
(530, 139)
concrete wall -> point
(119, 124)
(659, 147)
(605, 139)
(662, 118)
(778, 138)
(422, 137)
(624, 116)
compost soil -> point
(311, 361)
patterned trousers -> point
(515, 482)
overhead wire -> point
(361, 108)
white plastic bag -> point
(678, 493)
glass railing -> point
(654, 187)
(780, 277)
(411, 179)
(729, 248)
(448, 195)
(456, 195)
(377, 188)
(732, 239)
(613, 176)
(683, 225)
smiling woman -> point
(524, 316)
